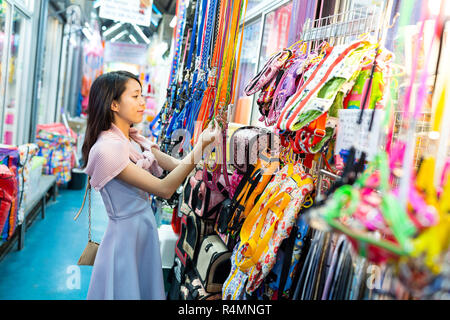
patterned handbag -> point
(278, 283)
(267, 94)
(249, 190)
(193, 288)
(196, 230)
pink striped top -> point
(112, 152)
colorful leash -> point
(204, 54)
(168, 108)
(183, 96)
(224, 88)
(178, 32)
(197, 87)
(209, 93)
(225, 92)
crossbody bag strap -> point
(88, 187)
(86, 193)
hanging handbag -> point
(213, 263)
(88, 256)
(180, 253)
(270, 221)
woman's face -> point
(131, 104)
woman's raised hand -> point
(210, 134)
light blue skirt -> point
(128, 262)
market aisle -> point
(46, 268)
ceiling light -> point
(87, 33)
(141, 34)
(112, 29)
(173, 22)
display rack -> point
(342, 27)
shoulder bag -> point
(88, 256)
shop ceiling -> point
(116, 31)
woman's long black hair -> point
(106, 88)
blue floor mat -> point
(46, 268)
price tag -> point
(349, 133)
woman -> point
(124, 167)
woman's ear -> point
(115, 106)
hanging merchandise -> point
(8, 193)
(184, 90)
(324, 200)
(168, 108)
(9, 163)
(56, 145)
(383, 225)
(92, 67)
(223, 66)
(30, 171)
(270, 222)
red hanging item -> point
(176, 221)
